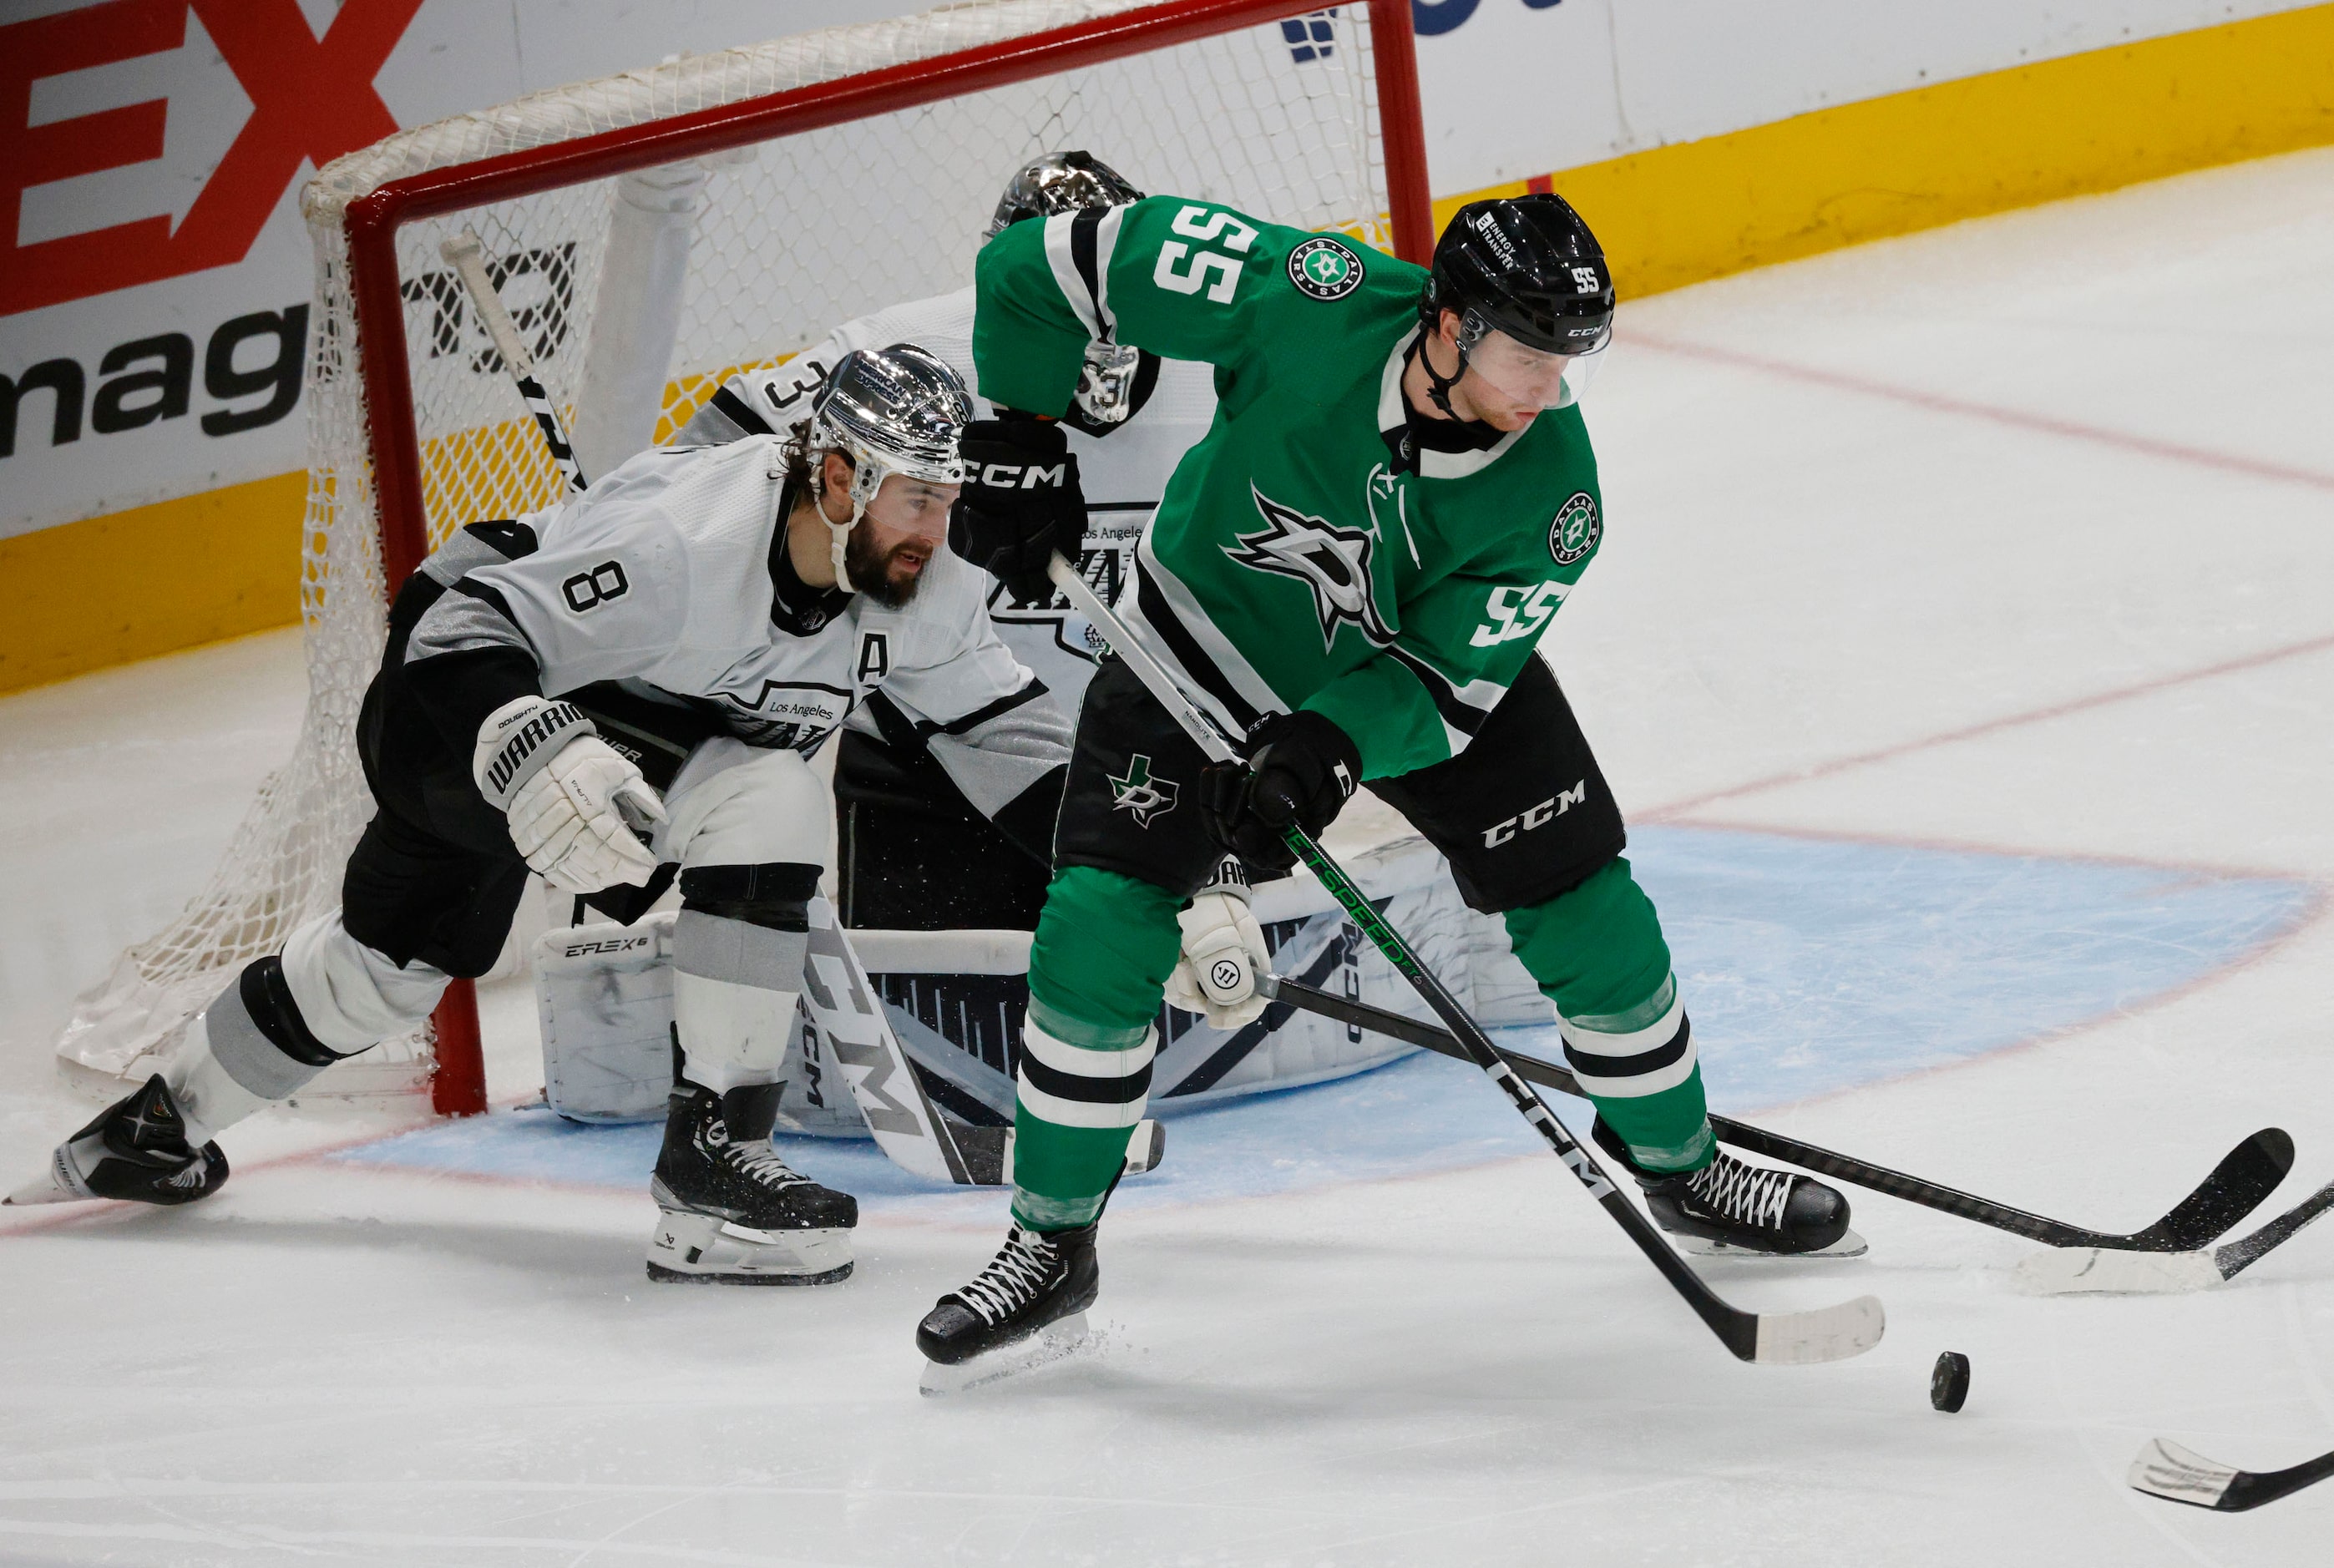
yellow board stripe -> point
(1697, 210)
(149, 580)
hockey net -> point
(651, 233)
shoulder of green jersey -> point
(1079, 247)
(1325, 268)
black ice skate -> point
(732, 1212)
(1729, 1208)
(136, 1149)
(1036, 1288)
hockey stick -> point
(908, 1127)
(467, 257)
(2165, 1469)
(2236, 1186)
(2096, 1272)
(1828, 1334)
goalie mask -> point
(1116, 378)
(895, 410)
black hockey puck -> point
(1949, 1382)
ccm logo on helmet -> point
(1001, 475)
(1539, 816)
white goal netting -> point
(638, 293)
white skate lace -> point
(759, 1162)
(1743, 1191)
(1012, 1279)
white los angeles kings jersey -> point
(670, 572)
(1124, 471)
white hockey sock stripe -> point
(1640, 1062)
(1072, 1086)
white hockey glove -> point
(1223, 953)
(570, 797)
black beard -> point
(871, 574)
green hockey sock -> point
(1596, 952)
(1105, 945)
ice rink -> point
(1962, 645)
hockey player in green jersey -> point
(1351, 570)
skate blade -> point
(1850, 1245)
(49, 1187)
(2109, 1271)
(688, 1247)
(1055, 1342)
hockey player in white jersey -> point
(912, 854)
(616, 691)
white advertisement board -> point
(154, 274)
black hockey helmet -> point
(1528, 266)
(1057, 183)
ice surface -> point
(1962, 645)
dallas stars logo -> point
(1332, 562)
(1324, 268)
(1141, 794)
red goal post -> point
(913, 122)
(460, 1087)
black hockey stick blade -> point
(2095, 1271)
(2165, 1469)
(2236, 1186)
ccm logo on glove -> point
(1023, 477)
(1020, 505)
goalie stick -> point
(908, 1127)
(2165, 1469)
(467, 257)
(2236, 1186)
(1827, 1334)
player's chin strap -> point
(838, 534)
(1471, 329)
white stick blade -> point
(1828, 1334)
(2168, 1470)
(2109, 1271)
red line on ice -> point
(2227, 462)
(1676, 809)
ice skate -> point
(1027, 1308)
(730, 1211)
(1730, 1209)
(137, 1149)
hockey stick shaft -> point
(467, 255)
(2260, 1150)
(2240, 1256)
(1738, 1331)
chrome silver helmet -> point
(893, 410)
(1057, 183)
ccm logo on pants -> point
(1539, 816)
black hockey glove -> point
(1302, 768)
(1020, 503)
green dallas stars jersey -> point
(1309, 552)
